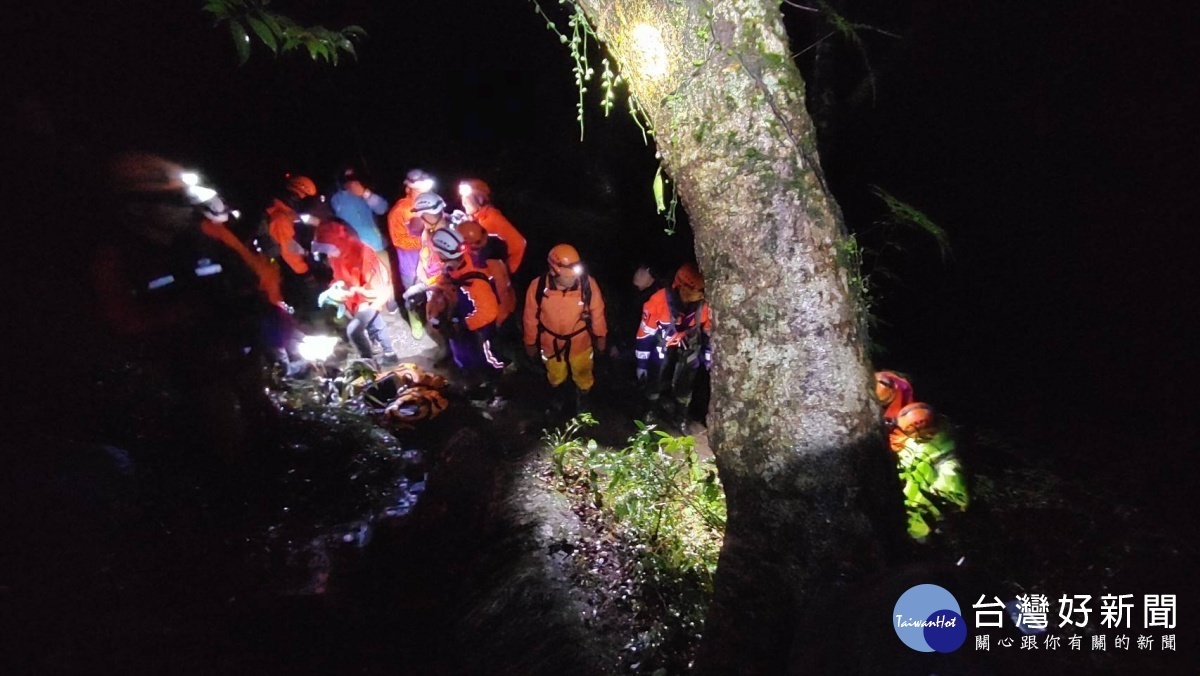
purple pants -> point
(473, 353)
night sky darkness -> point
(1055, 142)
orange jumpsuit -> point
(429, 265)
(559, 326)
(398, 219)
(268, 275)
(465, 307)
(491, 259)
(496, 224)
(281, 225)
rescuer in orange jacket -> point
(430, 210)
(179, 300)
(431, 215)
(463, 307)
(360, 283)
(488, 254)
(405, 229)
(477, 202)
(281, 223)
(279, 328)
(564, 320)
(674, 339)
(894, 393)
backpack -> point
(459, 282)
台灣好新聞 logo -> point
(927, 618)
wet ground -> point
(343, 546)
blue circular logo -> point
(927, 618)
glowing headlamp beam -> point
(651, 49)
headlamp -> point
(200, 193)
(464, 189)
(577, 269)
(423, 185)
(189, 178)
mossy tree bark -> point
(792, 422)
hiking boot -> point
(388, 359)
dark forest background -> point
(1056, 143)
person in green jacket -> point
(932, 476)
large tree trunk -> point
(793, 422)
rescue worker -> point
(179, 301)
(431, 214)
(281, 222)
(490, 255)
(289, 226)
(477, 202)
(564, 321)
(646, 282)
(279, 328)
(674, 341)
(894, 392)
(405, 234)
(360, 283)
(932, 477)
(463, 307)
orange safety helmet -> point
(889, 385)
(476, 187)
(473, 234)
(917, 421)
(563, 256)
(301, 186)
(688, 275)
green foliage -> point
(581, 34)
(655, 491)
(862, 262)
(850, 256)
(665, 209)
(279, 33)
(905, 215)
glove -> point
(642, 373)
(334, 295)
